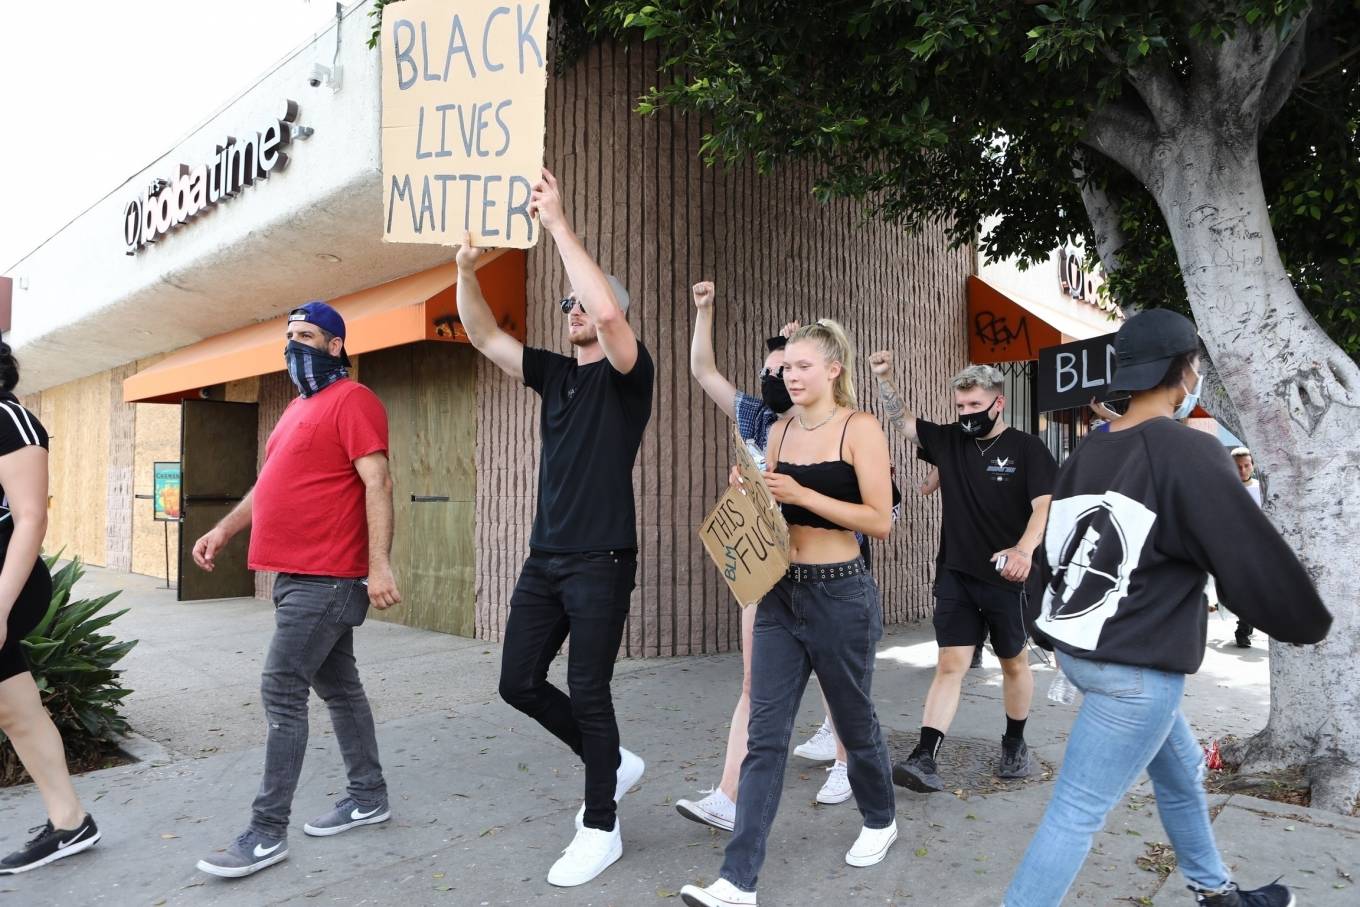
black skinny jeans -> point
(585, 595)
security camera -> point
(324, 75)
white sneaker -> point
(721, 893)
(821, 746)
(716, 809)
(871, 846)
(590, 853)
(630, 773)
(837, 786)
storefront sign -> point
(236, 165)
(464, 87)
(165, 497)
(1071, 374)
(746, 535)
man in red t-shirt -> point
(320, 515)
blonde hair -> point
(835, 346)
(979, 376)
(1241, 452)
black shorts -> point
(28, 611)
(966, 609)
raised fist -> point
(881, 363)
(703, 294)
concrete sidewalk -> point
(483, 799)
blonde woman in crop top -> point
(829, 471)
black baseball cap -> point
(1146, 346)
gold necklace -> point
(834, 410)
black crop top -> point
(833, 478)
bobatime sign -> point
(464, 87)
(1072, 374)
(236, 165)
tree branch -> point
(1102, 210)
(1124, 135)
(1284, 76)
(1156, 84)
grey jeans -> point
(313, 649)
(829, 627)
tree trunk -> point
(1298, 398)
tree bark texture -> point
(1296, 394)
(1298, 399)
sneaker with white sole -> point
(630, 771)
(871, 846)
(51, 844)
(721, 893)
(590, 853)
(248, 854)
(715, 809)
(837, 786)
(821, 746)
(346, 815)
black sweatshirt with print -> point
(1138, 518)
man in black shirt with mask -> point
(582, 562)
(996, 484)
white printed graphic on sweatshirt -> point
(1093, 543)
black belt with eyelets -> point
(821, 573)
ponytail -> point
(835, 345)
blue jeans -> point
(313, 649)
(1130, 720)
(830, 627)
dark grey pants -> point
(313, 649)
(831, 628)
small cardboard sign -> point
(464, 89)
(746, 535)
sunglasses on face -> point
(569, 302)
(772, 373)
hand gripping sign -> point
(746, 535)
(464, 84)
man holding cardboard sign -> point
(582, 561)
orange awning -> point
(1006, 327)
(422, 306)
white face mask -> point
(1191, 399)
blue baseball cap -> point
(321, 314)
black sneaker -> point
(1015, 760)
(918, 773)
(1272, 895)
(1243, 642)
(51, 844)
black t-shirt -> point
(18, 429)
(1137, 520)
(987, 488)
(591, 422)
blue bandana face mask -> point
(312, 370)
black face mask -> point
(774, 394)
(313, 370)
(977, 425)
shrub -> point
(73, 666)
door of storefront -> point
(429, 390)
(217, 454)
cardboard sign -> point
(165, 492)
(746, 535)
(1070, 374)
(464, 89)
